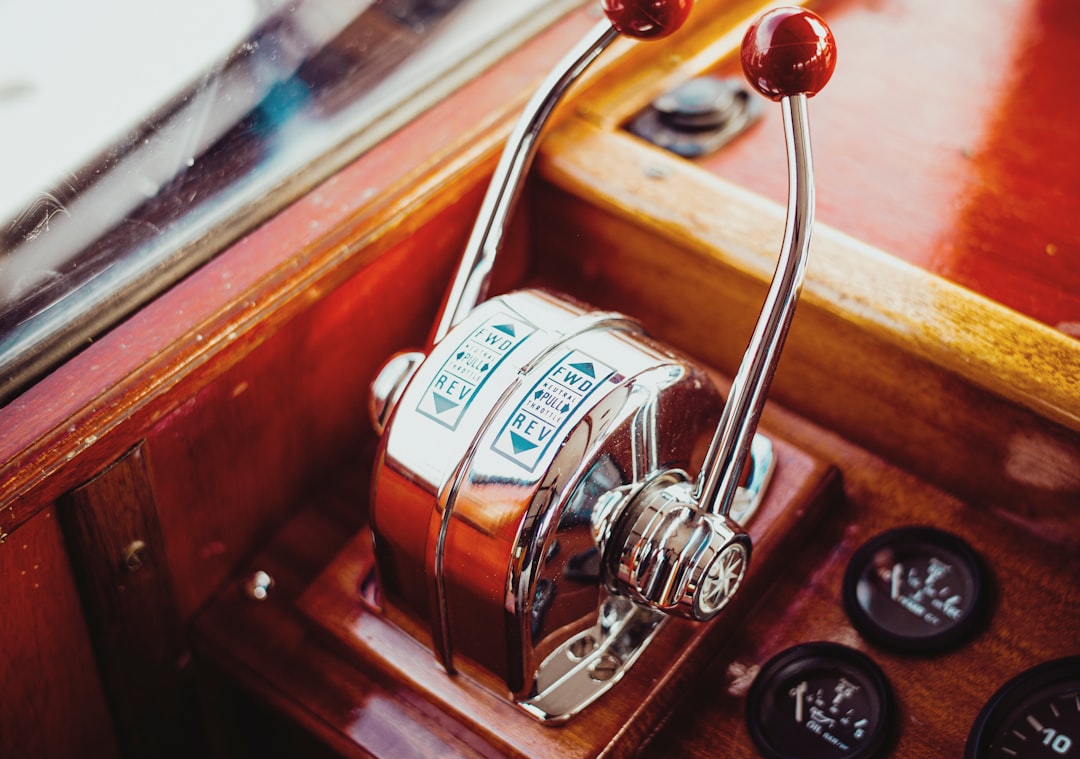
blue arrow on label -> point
(586, 368)
(521, 444)
(506, 329)
(442, 404)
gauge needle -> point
(897, 578)
(799, 692)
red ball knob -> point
(647, 19)
(788, 51)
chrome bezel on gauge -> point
(1015, 705)
(817, 733)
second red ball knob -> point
(788, 51)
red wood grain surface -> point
(947, 137)
(54, 704)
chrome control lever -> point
(788, 55)
(533, 515)
(676, 548)
(642, 20)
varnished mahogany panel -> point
(262, 645)
(52, 696)
(118, 554)
(235, 459)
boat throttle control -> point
(551, 483)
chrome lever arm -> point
(677, 549)
(473, 275)
(788, 55)
(722, 469)
(644, 20)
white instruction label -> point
(473, 361)
(548, 407)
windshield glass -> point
(137, 139)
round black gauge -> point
(1036, 715)
(819, 701)
(915, 589)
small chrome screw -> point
(134, 556)
(258, 585)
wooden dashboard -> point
(223, 429)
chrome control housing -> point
(515, 462)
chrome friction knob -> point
(388, 386)
(670, 554)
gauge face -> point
(915, 589)
(819, 701)
(1035, 715)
